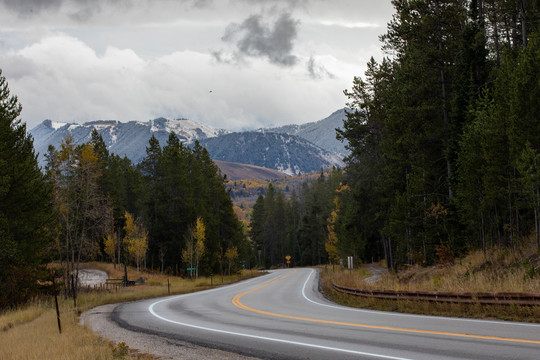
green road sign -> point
(191, 269)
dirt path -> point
(377, 270)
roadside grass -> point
(31, 332)
(12, 318)
(501, 270)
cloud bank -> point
(234, 64)
(63, 79)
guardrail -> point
(499, 298)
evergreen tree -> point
(442, 133)
(27, 222)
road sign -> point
(288, 261)
(288, 257)
(191, 269)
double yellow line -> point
(237, 303)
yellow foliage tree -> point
(331, 244)
(195, 247)
(199, 236)
(136, 239)
(231, 255)
(110, 242)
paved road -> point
(283, 316)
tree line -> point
(168, 213)
(444, 137)
(149, 214)
(444, 131)
(294, 226)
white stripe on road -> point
(315, 346)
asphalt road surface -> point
(283, 316)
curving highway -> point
(282, 315)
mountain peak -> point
(52, 124)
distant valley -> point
(287, 150)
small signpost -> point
(350, 262)
(191, 272)
(288, 258)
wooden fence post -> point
(56, 302)
(73, 289)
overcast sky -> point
(231, 64)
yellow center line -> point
(237, 303)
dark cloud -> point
(255, 38)
(30, 7)
(85, 10)
(84, 15)
(288, 3)
(317, 71)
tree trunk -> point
(388, 252)
(496, 42)
(523, 14)
(536, 226)
(483, 234)
(444, 107)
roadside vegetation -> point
(499, 270)
(31, 331)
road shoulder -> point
(99, 321)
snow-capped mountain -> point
(125, 139)
(289, 154)
(321, 133)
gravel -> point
(99, 320)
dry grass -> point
(344, 277)
(13, 318)
(499, 271)
(32, 332)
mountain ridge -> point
(321, 133)
(288, 153)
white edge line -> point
(513, 323)
(151, 310)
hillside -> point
(321, 133)
(286, 153)
(244, 192)
(236, 171)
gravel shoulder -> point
(99, 321)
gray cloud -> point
(86, 10)
(317, 71)
(255, 38)
(30, 7)
(85, 14)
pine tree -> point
(26, 216)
